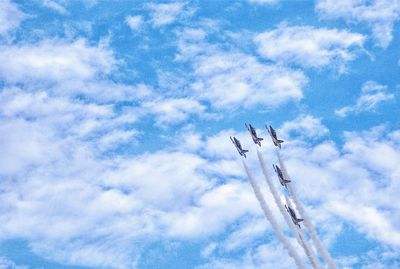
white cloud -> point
(171, 194)
(229, 78)
(366, 163)
(214, 210)
(263, 2)
(170, 111)
(134, 22)
(27, 145)
(372, 221)
(329, 175)
(372, 95)
(245, 234)
(8, 264)
(379, 15)
(122, 201)
(55, 5)
(306, 126)
(308, 46)
(72, 68)
(54, 61)
(164, 14)
(10, 16)
(265, 255)
(37, 120)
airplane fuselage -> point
(281, 178)
(257, 140)
(241, 151)
(293, 216)
(277, 142)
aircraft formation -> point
(289, 214)
(277, 142)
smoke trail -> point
(268, 214)
(308, 248)
(307, 222)
(297, 232)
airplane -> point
(272, 133)
(238, 146)
(257, 140)
(282, 179)
(293, 216)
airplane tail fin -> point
(260, 139)
(280, 141)
(287, 181)
(300, 220)
(245, 150)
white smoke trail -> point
(308, 248)
(268, 214)
(296, 232)
(307, 222)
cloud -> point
(372, 95)
(164, 14)
(366, 163)
(73, 68)
(230, 78)
(330, 173)
(379, 15)
(38, 119)
(9, 264)
(54, 61)
(308, 46)
(172, 111)
(123, 202)
(263, 2)
(265, 255)
(55, 5)
(10, 17)
(134, 22)
(306, 126)
(214, 210)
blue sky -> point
(116, 117)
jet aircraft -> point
(282, 179)
(238, 146)
(274, 138)
(293, 216)
(257, 140)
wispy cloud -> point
(10, 17)
(172, 111)
(56, 5)
(164, 14)
(372, 95)
(308, 46)
(231, 78)
(54, 61)
(134, 22)
(263, 2)
(306, 126)
(379, 15)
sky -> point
(116, 116)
